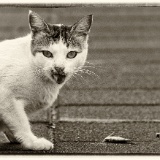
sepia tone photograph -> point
(79, 79)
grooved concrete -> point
(110, 112)
(86, 138)
(136, 22)
(119, 71)
(107, 97)
(125, 51)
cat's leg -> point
(9, 135)
(15, 118)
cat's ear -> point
(36, 23)
(83, 26)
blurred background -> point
(124, 54)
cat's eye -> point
(47, 54)
(72, 54)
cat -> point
(33, 69)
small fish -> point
(116, 139)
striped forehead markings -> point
(57, 33)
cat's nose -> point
(58, 74)
(59, 70)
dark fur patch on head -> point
(45, 38)
(68, 37)
(39, 40)
(44, 34)
(57, 32)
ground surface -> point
(124, 52)
(87, 138)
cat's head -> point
(57, 49)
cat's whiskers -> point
(92, 65)
(89, 72)
(89, 67)
(78, 74)
(74, 76)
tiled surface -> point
(124, 48)
(109, 113)
(110, 97)
(87, 138)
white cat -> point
(32, 71)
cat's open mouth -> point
(59, 78)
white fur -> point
(22, 88)
(26, 86)
(21, 76)
(27, 82)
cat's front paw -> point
(38, 144)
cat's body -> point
(32, 71)
(17, 68)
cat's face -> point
(59, 50)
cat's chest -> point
(36, 93)
(48, 96)
(42, 99)
(31, 88)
